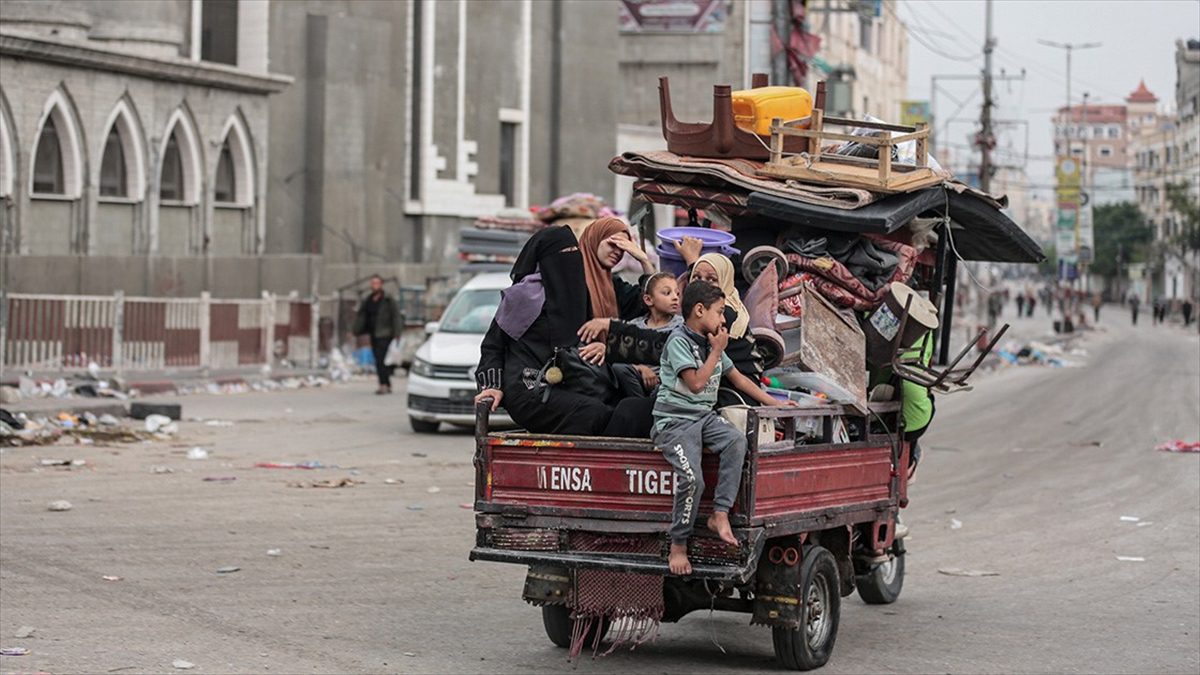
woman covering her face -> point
(537, 316)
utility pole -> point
(986, 137)
(1069, 47)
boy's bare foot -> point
(719, 522)
(678, 560)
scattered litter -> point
(959, 572)
(14, 651)
(107, 420)
(1144, 523)
(162, 469)
(419, 454)
(415, 507)
(218, 423)
(218, 479)
(1087, 444)
(24, 632)
(154, 423)
(392, 481)
(183, 665)
(327, 483)
(59, 505)
(466, 505)
(229, 569)
(1129, 519)
(433, 489)
(197, 453)
(409, 654)
(955, 524)
(274, 552)
(1179, 446)
(311, 464)
(1131, 558)
(109, 577)
(55, 462)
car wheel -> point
(423, 426)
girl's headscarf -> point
(724, 268)
(598, 278)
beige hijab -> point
(724, 268)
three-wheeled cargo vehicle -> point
(822, 485)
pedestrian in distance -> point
(1134, 305)
(1187, 312)
(378, 319)
(1096, 302)
(692, 366)
(1020, 305)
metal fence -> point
(67, 332)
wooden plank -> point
(923, 145)
(863, 124)
(776, 142)
(818, 123)
(830, 173)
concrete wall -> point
(113, 231)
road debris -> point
(218, 479)
(409, 654)
(161, 469)
(433, 489)
(197, 453)
(1179, 446)
(14, 651)
(180, 664)
(327, 483)
(466, 505)
(419, 454)
(59, 505)
(228, 569)
(218, 423)
(24, 632)
(110, 577)
(1145, 523)
(955, 524)
(415, 507)
(960, 572)
(393, 481)
(274, 552)
(1131, 558)
(310, 464)
(1129, 519)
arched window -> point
(48, 161)
(7, 154)
(170, 183)
(113, 179)
(225, 186)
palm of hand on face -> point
(612, 249)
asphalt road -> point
(1038, 465)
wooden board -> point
(848, 175)
(829, 343)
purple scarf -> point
(520, 305)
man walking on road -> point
(1134, 304)
(1187, 312)
(377, 317)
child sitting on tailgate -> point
(693, 363)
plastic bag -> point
(395, 353)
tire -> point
(559, 626)
(811, 645)
(423, 426)
(882, 585)
(758, 258)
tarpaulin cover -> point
(981, 231)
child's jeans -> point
(681, 442)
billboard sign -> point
(912, 112)
(673, 16)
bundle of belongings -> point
(493, 242)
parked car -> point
(441, 380)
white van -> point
(441, 381)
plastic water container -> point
(670, 261)
(753, 109)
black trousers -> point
(565, 412)
(379, 347)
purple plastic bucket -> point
(713, 239)
(670, 261)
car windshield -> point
(471, 311)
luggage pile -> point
(493, 243)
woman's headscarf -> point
(724, 268)
(598, 277)
(554, 253)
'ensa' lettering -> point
(564, 478)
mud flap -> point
(777, 584)
(547, 585)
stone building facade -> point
(167, 147)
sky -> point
(1137, 41)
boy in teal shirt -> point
(692, 365)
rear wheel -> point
(882, 585)
(559, 626)
(810, 645)
(759, 258)
(423, 426)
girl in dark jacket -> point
(535, 319)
